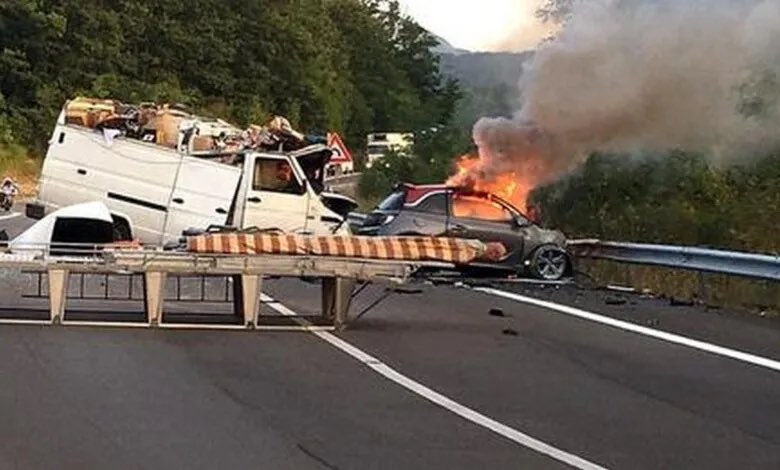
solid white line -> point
(439, 399)
(642, 330)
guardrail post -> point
(154, 286)
(246, 297)
(58, 294)
(336, 298)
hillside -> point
(485, 69)
(488, 80)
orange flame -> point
(509, 186)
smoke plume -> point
(644, 76)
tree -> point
(555, 11)
(346, 65)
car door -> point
(277, 197)
(486, 219)
(428, 216)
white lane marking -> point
(439, 399)
(642, 330)
(10, 216)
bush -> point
(672, 199)
(432, 159)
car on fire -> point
(441, 210)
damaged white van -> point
(155, 192)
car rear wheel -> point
(549, 263)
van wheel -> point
(121, 230)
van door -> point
(277, 197)
(202, 196)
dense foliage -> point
(678, 198)
(354, 66)
(347, 65)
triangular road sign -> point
(340, 151)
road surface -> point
(437, 377)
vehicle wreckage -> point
(162, 171)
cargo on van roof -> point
(162, 124)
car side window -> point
(472, 207)
(434, 204)
(275, 175)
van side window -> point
(275, 175)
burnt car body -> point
(439, 210)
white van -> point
(155, 193)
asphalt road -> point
(121, 398)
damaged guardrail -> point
(337, 275)
(751, 265)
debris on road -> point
(621, 289)
(510, 332)
(496, 312)
(613, 300)
(675, 302)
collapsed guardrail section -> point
(337, 278)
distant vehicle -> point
(380, 144)
(439, 210)
(8, 192)
(155, 193)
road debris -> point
(614, 300)
(621, 289)
(675, 302)
(510, 332)
(496, 312)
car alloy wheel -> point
(549, 263)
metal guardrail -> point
(337, 275)
(751, 265)
(758, 266)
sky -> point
(480, 25)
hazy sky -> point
(480, 24)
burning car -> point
(445, 210)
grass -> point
(16, 162)
(709, 289)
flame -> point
(509, 186)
